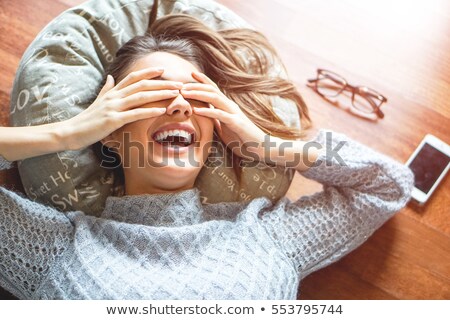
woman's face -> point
(156, 154)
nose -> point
(179, 105)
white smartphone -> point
(429, 163)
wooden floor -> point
(400, 48)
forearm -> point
(17, 143)
(361, 190)
(299, 155)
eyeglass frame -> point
(361, 90)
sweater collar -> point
(168, 209)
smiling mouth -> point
(175, 136)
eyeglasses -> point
(329, 85)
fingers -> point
(149, 85)
(205, 96)
(218, 114)
(203, 78)
(139, 75)
(144, 97)
(141, 114)
(108, 85)
(200, 87)
(218, 101)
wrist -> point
(295, 154)
(63, 133)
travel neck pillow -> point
(59, 76)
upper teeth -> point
(181, 133)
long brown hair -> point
(217, 54)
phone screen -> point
(427, 166)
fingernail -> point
(179, 84)
(177, 92)
(159, 69)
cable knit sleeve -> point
(32, 237)
(4, 164)
(362, 189)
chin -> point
(173, 178)
(178, 172)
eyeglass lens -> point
(331, 85)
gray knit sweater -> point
(170, 246)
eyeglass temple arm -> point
(375, 107)
(379, 112)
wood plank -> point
(337, 283)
